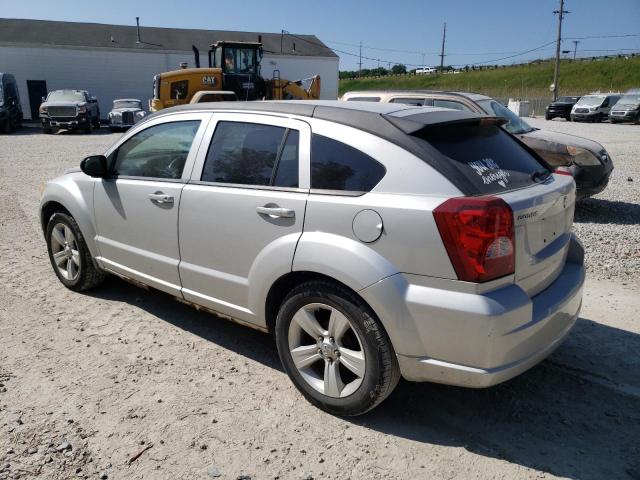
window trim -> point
(304, 147)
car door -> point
(242, 212)
(136, 209)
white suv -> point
(373, 240)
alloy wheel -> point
(64, 249)
(326, 350)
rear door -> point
(242, 213)
(136, 210)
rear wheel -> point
(6, 126)
(69, 254)
(87, 128)
(334, 349)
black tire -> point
(89, 276)
(96, 123)
(382, 372)
(548, 117)
(88, 128)
(47, 130)
(6, 126)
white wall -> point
(110, 74)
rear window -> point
(485, 155)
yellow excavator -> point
(233, 67)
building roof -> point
(21, 32)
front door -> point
(37, 91)
(136, 210)
(242, 213)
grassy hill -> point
(524, 81)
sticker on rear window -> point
(490, 172)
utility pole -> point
(575, 48)
(442, 55)
(556, 72)
(360, 62)
(282, 32)
(422, 61)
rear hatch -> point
(489, 162)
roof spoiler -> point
(413, 123)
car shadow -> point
(597, 210)
(576, 415)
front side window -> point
(338, 166)
(179, 89)
(252, 154)
(156, 152)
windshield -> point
(629, 100)
(514, 123)
(239, 60)
(127, 104)
(591, 101)
(62, 96)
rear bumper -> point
(478, 340)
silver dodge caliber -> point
(373, 240)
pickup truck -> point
(69, 109)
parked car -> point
(126, 112)
(10, 108)
(627, 109)
(593, 108)
(220, 96)
(585, 159)
(425, 71)
(71, 110)
(372, 240)
(561, 108)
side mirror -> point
(44, 99)
(95, 166)
(93, 100)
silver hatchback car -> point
(372, 240)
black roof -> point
(98, 35)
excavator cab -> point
(240, 65)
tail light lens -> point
(563, 171)
(479, 237)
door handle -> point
(160, 197)
(276, 212)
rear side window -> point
(408, 101)
(338, 166)
(450, 104)
(485, 155)
(363, 99)
(178, 90)
(252, 154)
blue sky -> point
(477, 31)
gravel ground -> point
(88, 381)
(609, 223)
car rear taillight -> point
(563, 171)
(479, 237)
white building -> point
(117, 61)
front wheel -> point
(69, 254)
(334, 349)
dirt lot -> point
(89, 380)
